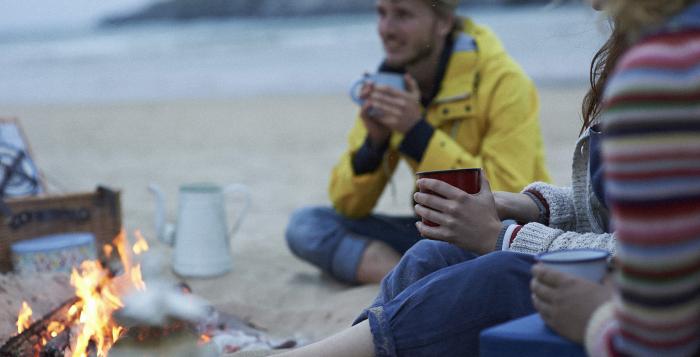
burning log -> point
(43, 293)
(30, 341)
(57, 346)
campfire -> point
(84, 325)
(113, 303)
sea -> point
(245, 57)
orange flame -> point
(24, 319)
(73, 310)
(120, 243)
(107, 250)
(203, 340)
(96, 289)
(95, 321)
(54, 328)
(117, 332)
(140, 246)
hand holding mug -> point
(377, 132)
(391, 99)
(467, 220)
(399, 110)
(566, 302)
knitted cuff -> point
(507, 234)
(534, 238)
(501, 235)
(511, 234)
(542, 206)
(560, 203)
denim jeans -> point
(438, 299)
(335, 243)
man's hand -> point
(465, 220)
(377, 132)
(565, 302)
(395, 109)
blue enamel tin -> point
(56, 252)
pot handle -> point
(245, 191)
(165, 231)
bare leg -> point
(355, 341)
(376, 262)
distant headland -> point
(185, 10)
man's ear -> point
(446, 24)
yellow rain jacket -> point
(486, 115)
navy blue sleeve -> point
(416, 140)
(595, 164)
(367, 158)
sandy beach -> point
(282, 147)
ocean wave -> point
(243, 57)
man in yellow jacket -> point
(466, 104)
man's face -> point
(409, 30)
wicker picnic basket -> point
(98, 212)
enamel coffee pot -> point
(201, 236)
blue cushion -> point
(526, 337)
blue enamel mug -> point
(391, 79)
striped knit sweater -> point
(651, 153)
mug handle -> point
(355, 89)
(245, 191)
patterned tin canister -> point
(57, 252)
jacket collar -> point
(461, 76)
(442, 70)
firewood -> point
(57, 346)
(29, 341)
(43, 293)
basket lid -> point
(53, 242)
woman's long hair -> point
(602, 66)
(630, 18)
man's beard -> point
(422, 52)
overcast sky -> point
(43, 13)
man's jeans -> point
(437, 300)
(335, 243)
